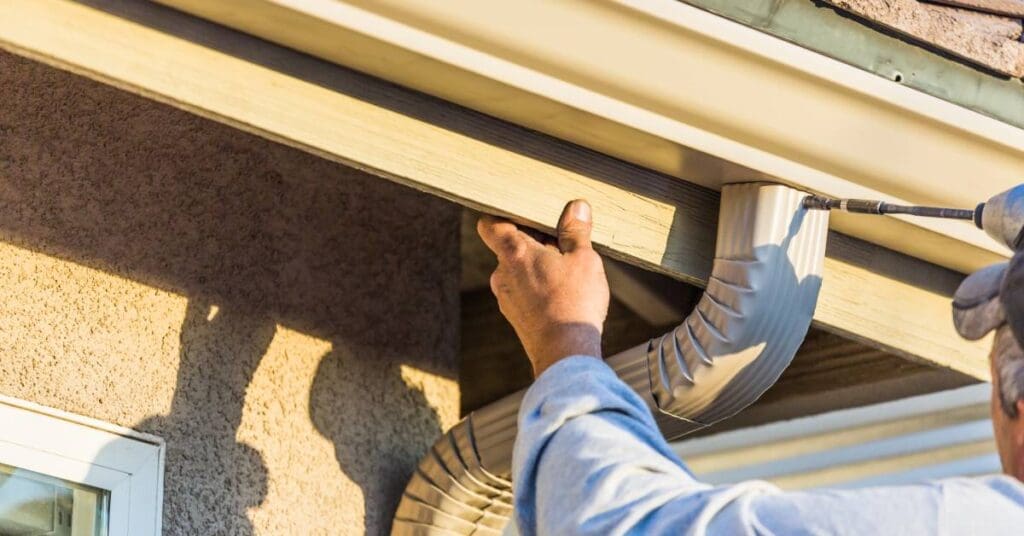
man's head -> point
(993, 299)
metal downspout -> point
(743, 333)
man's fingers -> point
(574, 226)
(503, 237)
(499, 235)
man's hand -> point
(554, 295)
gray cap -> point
(990, 298)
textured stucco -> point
(287, 325)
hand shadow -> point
(379, 441)
(220, 350)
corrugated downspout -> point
(743, 333)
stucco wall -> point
(288, 325)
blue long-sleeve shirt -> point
(589, 459)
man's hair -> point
(1008, 361)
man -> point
(589, 458)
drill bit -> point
(864, 206)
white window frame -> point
(128, 464)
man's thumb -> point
(574, 226)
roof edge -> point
(671, 87)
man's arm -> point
(589, 458)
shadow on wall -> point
(273, 237)
(220, 350)
(386, 445)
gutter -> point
(679, 90)
(731, 348)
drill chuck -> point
(1002, 217)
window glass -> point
(32, 504)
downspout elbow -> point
(744, 332)
(754, 313)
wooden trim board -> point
(643, 217)
(679, 90)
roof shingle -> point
(991, 41)
(1010, 8)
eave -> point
(650, 219)
(673, 88)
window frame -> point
(128, 464)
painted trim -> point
(837, 421)
(938, 435)
(78, 449)
(676, 89)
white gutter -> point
(676, 89)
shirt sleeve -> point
(589, 459)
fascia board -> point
(679, 90)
